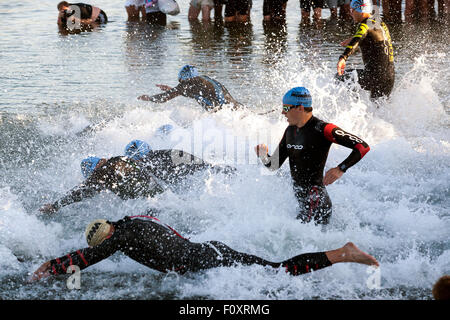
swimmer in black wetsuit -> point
(142, 173)
(306, 143)
(85, 14)
(377, 53)
(209, 93)
(170, 166)
(148, 241)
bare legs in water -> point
(350, 253)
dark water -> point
(393, 204)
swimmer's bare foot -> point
(351, 253)
(356, 255)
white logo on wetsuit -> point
(351, 137)
(295, 146)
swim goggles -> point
(286, 107)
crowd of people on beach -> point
(144, 172)
(155, 12)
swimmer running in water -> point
(306, 142)
(209, 93)
(141, 173)
(373, 37)
(158, 246)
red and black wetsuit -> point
(148, 241)
(307, 148)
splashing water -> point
(393, 204)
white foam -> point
(393, 204)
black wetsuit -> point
(171, 165)
(306, 5)
(378, 56)
(131, 179)
(209, 93)
(241, 7)
(121, 175)
(148, 241)
(274, 8)
(86, 12)
(307, 148)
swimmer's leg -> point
(382, 88)
(314, 205)
(308, 262)
(297, 265)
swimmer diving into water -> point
(142, 172)
(209, 93)
(156, 245)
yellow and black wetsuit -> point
(378, 56)
(158, 246)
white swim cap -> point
(97, 231)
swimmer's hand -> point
(42, 272)
(262, 150)
(163, 87)
(332, 175)
(341, 66)
(48, 208)
(144, 97)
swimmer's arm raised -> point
(275, 161)
(354, 42)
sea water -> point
(393, 204)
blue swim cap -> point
(363, 6)
(137, 149)
(165, 129)
(187, 72)
(88, 165)
(298, 96)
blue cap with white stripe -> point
(298, 96)
(88, 166)
(187, 72)
(137, 149)
(362, 6)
